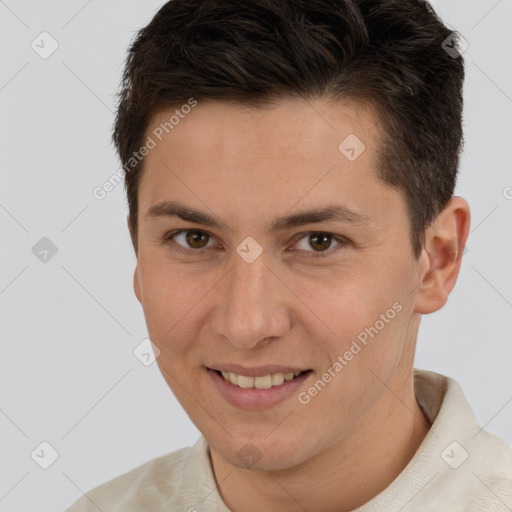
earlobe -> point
(442, 255)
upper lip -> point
(258, 371)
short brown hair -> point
(389, 52)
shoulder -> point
(480, 477)
(493, 462)
(466, 467)
(154, 482)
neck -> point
(347, 475)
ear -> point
(136, 284)
(445, 240)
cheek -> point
(362, 360)
(168, 300)
(344, 304)
(365, 313)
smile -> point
(261, 382)
(267, 387)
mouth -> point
(257, 388)
(262, 381)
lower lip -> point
(252, 399)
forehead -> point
(242, 160)
(229, 128)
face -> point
(265, 249)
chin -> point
(264, 454)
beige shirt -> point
(458, 467)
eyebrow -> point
(334, 212)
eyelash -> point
(322, 254)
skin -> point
(247, 167)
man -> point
(290, 169)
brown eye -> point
(188, 241)
(320, 241)
(196, 239)
(319, 244)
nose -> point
(251, 304)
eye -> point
(320, 242)
(189, 241)
(195, 241)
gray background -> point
(68, 375)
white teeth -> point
(245, 382)
(277, 379)
(263, 382)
